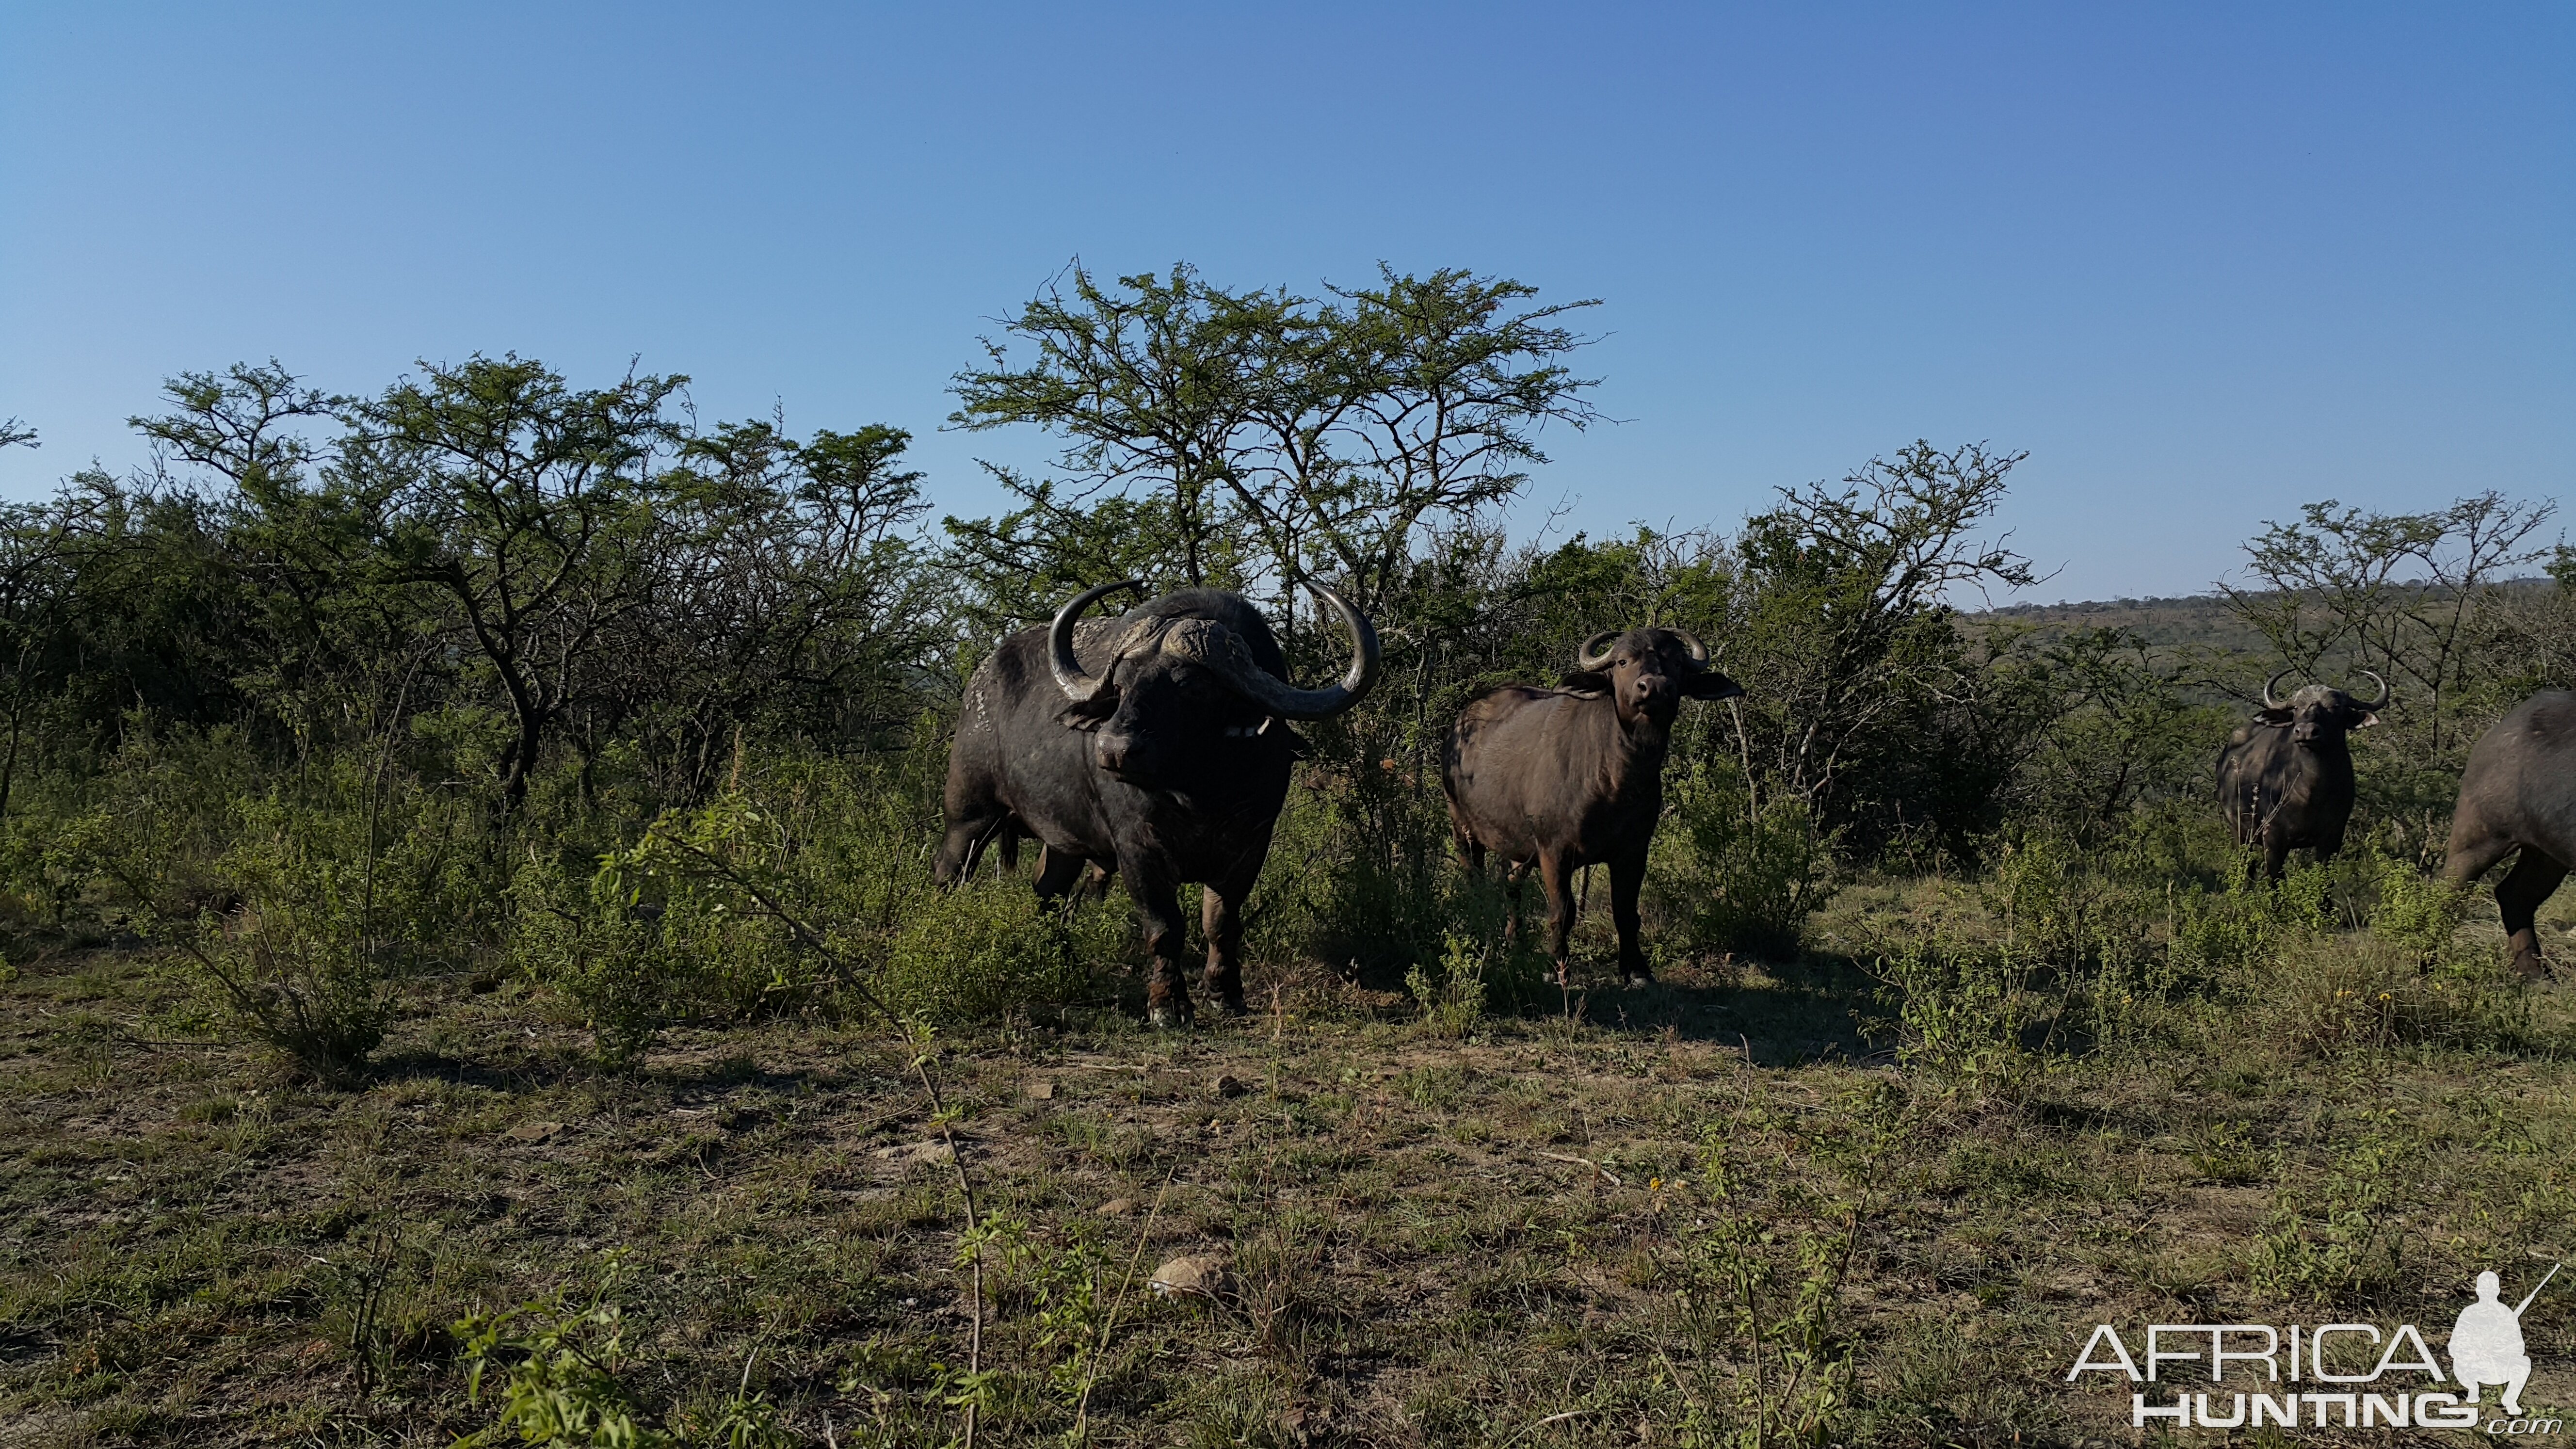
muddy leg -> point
(1626, 877)
(1167, 992)
(1557, 878)
(1221, 917)
(2518, 898)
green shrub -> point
(561, 1358)
(990, 949)
(1739, 881)
(589, 941)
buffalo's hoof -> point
(1638, 977)
(1173, 1016)
(1232, 1005)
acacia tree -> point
(1150, 383)
(782, 589)
(1842, 634)
(2398, 593)
(1306, 435)
(520, 501)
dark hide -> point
(2519, 794)
(2285, 780)
(1169, 776)
(1573, 776)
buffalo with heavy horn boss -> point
(1154, 745)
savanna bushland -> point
(472, 967)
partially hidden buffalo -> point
(1152, 745)
(2285, 780)
(1574, 776)
(2519, 793)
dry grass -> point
(1522, 1238)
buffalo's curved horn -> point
(1078, 686)
(1277, 696)
(1690, 641)
(2382, 701)
(1596, 650)
(2268, 701)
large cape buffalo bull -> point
(2285, 780)
(1152, 745)
(2519, 793)
(1571, 776)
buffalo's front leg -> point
(1221, 915)
(1556, 877)
(1627, 876)
(1167, 992)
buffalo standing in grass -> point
(2519, 793)
(1574, 776)
(1151, 745)
(2285, 780)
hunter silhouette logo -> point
(2486, 1343)
(2332, 1366)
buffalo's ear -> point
(1709, 684)
(2366, 721)
(1585, 681)
(2273, 717)
(1088, 716)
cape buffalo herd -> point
(1574, 776)
(2286, 779)
(1156, 745)
(2519, 794)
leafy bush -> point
(987, 950)
(1738, 881)
(561, 1357)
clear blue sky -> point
(2204, 262)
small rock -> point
(1042, 1090)
(1228, 1085)
(918, 1152)
(1199, 1274)
(533, 1131)
(1116, 1207)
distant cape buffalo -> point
(2285, 780)
(1153, 745)
(1573, 776)
(2519, 794)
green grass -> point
(1546, 1232)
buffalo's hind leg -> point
(2518, 898)
(1627, 876)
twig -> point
(1597, 1169)
(1091, 1370)
(1530, 1429)
(965, 1190)
(812, 938)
